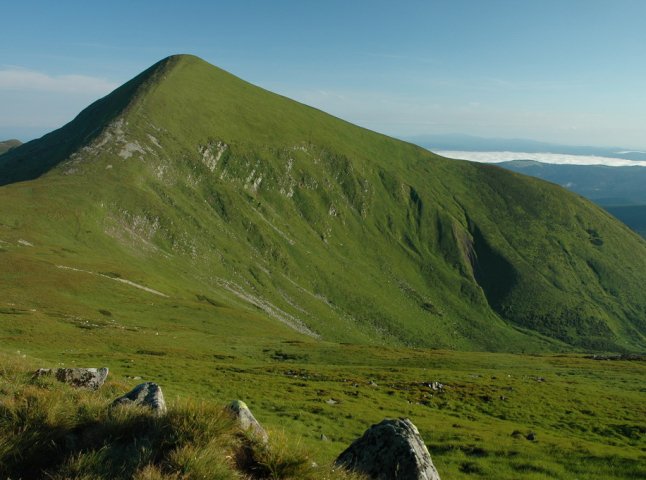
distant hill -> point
(603, 184)
(7, 145)
(188, 195)
(632, 215)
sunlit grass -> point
(509, 415)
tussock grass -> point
(50, 430)
(586, 416)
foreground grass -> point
(49, 430)
(503, 416)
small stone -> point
(331, 401)
(324, 438)
(436, 386)
(241, 413)
(147, 394)
(392, 449)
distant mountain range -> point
(607, 186)
(189, 194)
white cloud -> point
(21, 79)
(555, 158)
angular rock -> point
(241, 413)
(436, 386)
(147, 394)
(392, 449)
(90, 378)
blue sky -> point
(564, 71)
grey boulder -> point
(147, 394)
(392, 449)
(90, 378)
(247, 422)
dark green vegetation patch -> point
(7, 145)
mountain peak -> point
(326, 227)
(181, 93)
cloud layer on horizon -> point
(553, 158)
(22, 79)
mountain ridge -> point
(7, 145)
(37, 157)
(255, 201)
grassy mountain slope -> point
(7, 145)
(243, 209)
(38, 156)
(620, 190)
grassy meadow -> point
(502, 415)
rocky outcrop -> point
(392, 449)
(247, 422)
(147, 394)
(90, 378)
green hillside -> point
(7, 145)
(619, 190)
(604, 185)
(190, 201)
